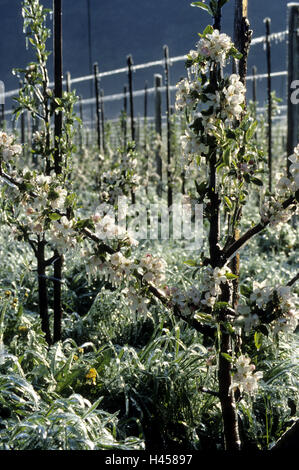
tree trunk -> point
(226, 395)
(42, 290)
(57, 156)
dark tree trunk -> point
(57, 156)
(42, 290)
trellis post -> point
(68, 82)
(167, 82)
(242, 35)
(254, 89)
(293, 77)
(145, 113)
(158, 127)
(124, 117)
(269, 94)
(102, 119)
(81, 125)
(130, 79)
(98, 108)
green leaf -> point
(231, 276)
(208, 30)
(245, 290)
(54, 216)
(256, 181)
(92, 408)
(257, 340)
(190, 262)
(201, 187)
(251, 131)
(227, 357)
(228, 202)
(203, 317)
(226, 156)
(203, 6)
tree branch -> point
(293, 281)
(232, 249)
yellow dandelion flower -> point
(91, 375)
(23, 329)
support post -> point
(130, 79)
(293, 77)
(124, 119)
(68, 82)
(102, 119)
(254, 89)
(167, 84)
(2, 124)
(158, 128)
(81, 125)
(242, 36)
(269, 91)
(98, 108)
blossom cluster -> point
(8, 149)
(152, 269)
(137, 303)
(116, 268)
(120, 180)
(272, 211)
(187, 94)
(234, 94)
(215, 47)
(206, 296)
(212, 284)
(245, 378)
(49, 197)
(289, 185)
(260, 298)
(62, 235)
(192, 145)
(106, 228)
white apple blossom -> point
(234, 98)
(7, 147)
(245, 378)
(261, 294)
(215, 47)
(153, 269)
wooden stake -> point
(269, 91)
(130, 78)
(158, 128)
(242, 36)
(102, 119)
(293, 75)
(98, 108)
(167, 84)
(68, 82)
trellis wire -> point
(280, 36)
